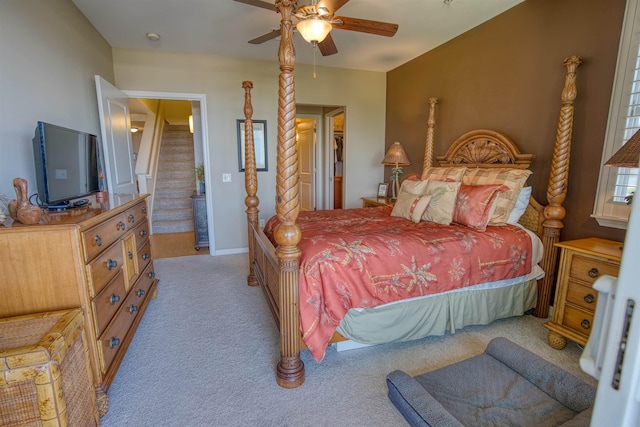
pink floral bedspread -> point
(362, 258)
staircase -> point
(175, 182)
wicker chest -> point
(45, 377)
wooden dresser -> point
(97, 258)
(581, 263)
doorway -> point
(147, 156)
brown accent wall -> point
(507, 75)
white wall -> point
(49, 54)
(220, 79)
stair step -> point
(176, 174)
(173, 157)
(165, 227)
(166, 184)
(172, 203)
(172, 214)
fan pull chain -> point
(315, 47)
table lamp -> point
(396, 157)
(627, 156)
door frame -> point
(328, 154)
(202, 100)
(319, 190)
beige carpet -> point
(205, 354)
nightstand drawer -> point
(578, 320)
(589, 269)
(583, 296)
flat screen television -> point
(67, 164)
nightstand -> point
(581, 263)
(372, 202)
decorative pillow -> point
(475, 204)
(521, 205)
(443, 201)
(413, 186)
(410, 206)
(512, 178)
(449, 174)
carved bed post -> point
(290, 368)
(431, 134)
(250, 179)
(554, 212)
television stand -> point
(58, 207)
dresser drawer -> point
(578, 320)
(142, 233)
(136, 215)
(114, 336)
(96, 239)
(105, 267)
(142, 286)
(107, 302)
(144, 256)
(581, 295)
(589, 269)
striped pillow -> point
(450, 174)
(410, 206)
(514, 179)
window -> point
(615, 184)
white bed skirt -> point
(436, 314)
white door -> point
(117, 147)
(618, 396)
(306, 130)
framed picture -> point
(383, 189)
(259, 143)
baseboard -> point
(231, 251)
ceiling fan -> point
(323, 12)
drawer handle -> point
(152, 274)
(111, 264)
(144, 210)
(585, 324)
(133, 309)
(114, 299)
(121, 226)
(141, 292)
(98, 240)
(114, 342)
(143, 233)
(146, 256)
(593, 273)
(130, 255)
(132, 218)
(589, 298)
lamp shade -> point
(628, 155)
(313, 29)
(396, 156)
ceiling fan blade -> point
(266, 37)
(365, 26)
(258, 3)
(332, 5)
(327, 46)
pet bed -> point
(505, 385)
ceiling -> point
(224, 27)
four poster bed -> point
(334, 275)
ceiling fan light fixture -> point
(313, 29)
